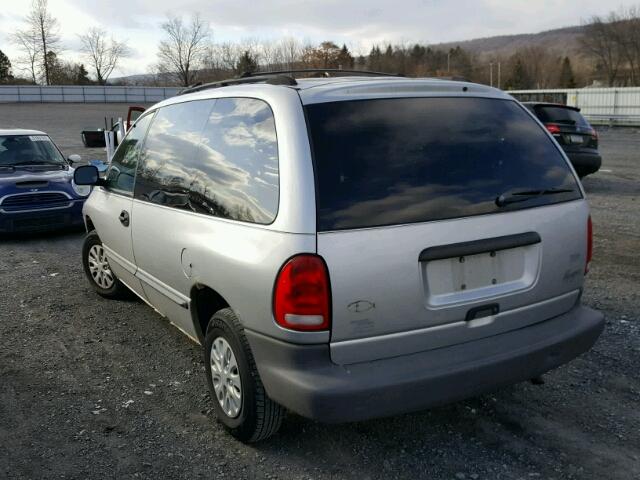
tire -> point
(258, 417)
(91, 247)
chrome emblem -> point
(33, 189)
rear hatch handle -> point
(479, 246)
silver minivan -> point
(350, 247)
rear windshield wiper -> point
(523, 195)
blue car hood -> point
(10, 182)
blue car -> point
(37, 191)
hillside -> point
(564, 41)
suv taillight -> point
(302, 294)
(589, 244)
(553, 129)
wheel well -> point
(89, 223)
(205, 302)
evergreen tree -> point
(246, 64)
(567, 79)
(82, 76)
(345, 59)
(375, 58)
(519, 79)
(5, 68)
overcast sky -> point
(358, 23)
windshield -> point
(18, 150)
(406, 160)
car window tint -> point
(560, 115)
(216, 157)
(171, 152)
(29, 150)
(120, 176)
(237, 175)
(394, 161)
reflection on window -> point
(238, 174)
(170, 153)
(220, 161)
(122, 170)
(408, 160)
(29, 150)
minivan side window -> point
(170, 153)
(215, 157)
(238, 174)
(121, 174)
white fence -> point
(82, 94)
(611, 106)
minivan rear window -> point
(406, 160)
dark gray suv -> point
(572, 131)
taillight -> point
(302, 294)
(553, 129)
(589, 244)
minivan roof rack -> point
(270, 79)
(279, 77)
(326, 71)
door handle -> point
(124, 218)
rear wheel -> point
(239, 399)
(97, 269)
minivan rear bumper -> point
(303, 379)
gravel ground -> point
(91, 388)
(64, 122)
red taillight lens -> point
(553, 129)
(302, 294)
(589, 244)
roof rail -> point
(325, 71)
(280, 77)
(272, 79)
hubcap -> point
(99, 267)
(226, 377)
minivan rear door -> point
(441, 220)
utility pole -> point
(491, 73)
(499, 76)
(448, 62)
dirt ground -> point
(91, 388)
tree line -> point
(609, 55)
(41, 60)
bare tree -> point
(183, 50)
(103, 53)
(41, 36)
(626, 29)
(599, 41)
(27, 41)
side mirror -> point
(86, 175)
(75, 158)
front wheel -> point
(97, 269)
(239, 399)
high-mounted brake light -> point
(302, 294)
(553, 129)
(589, 245)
